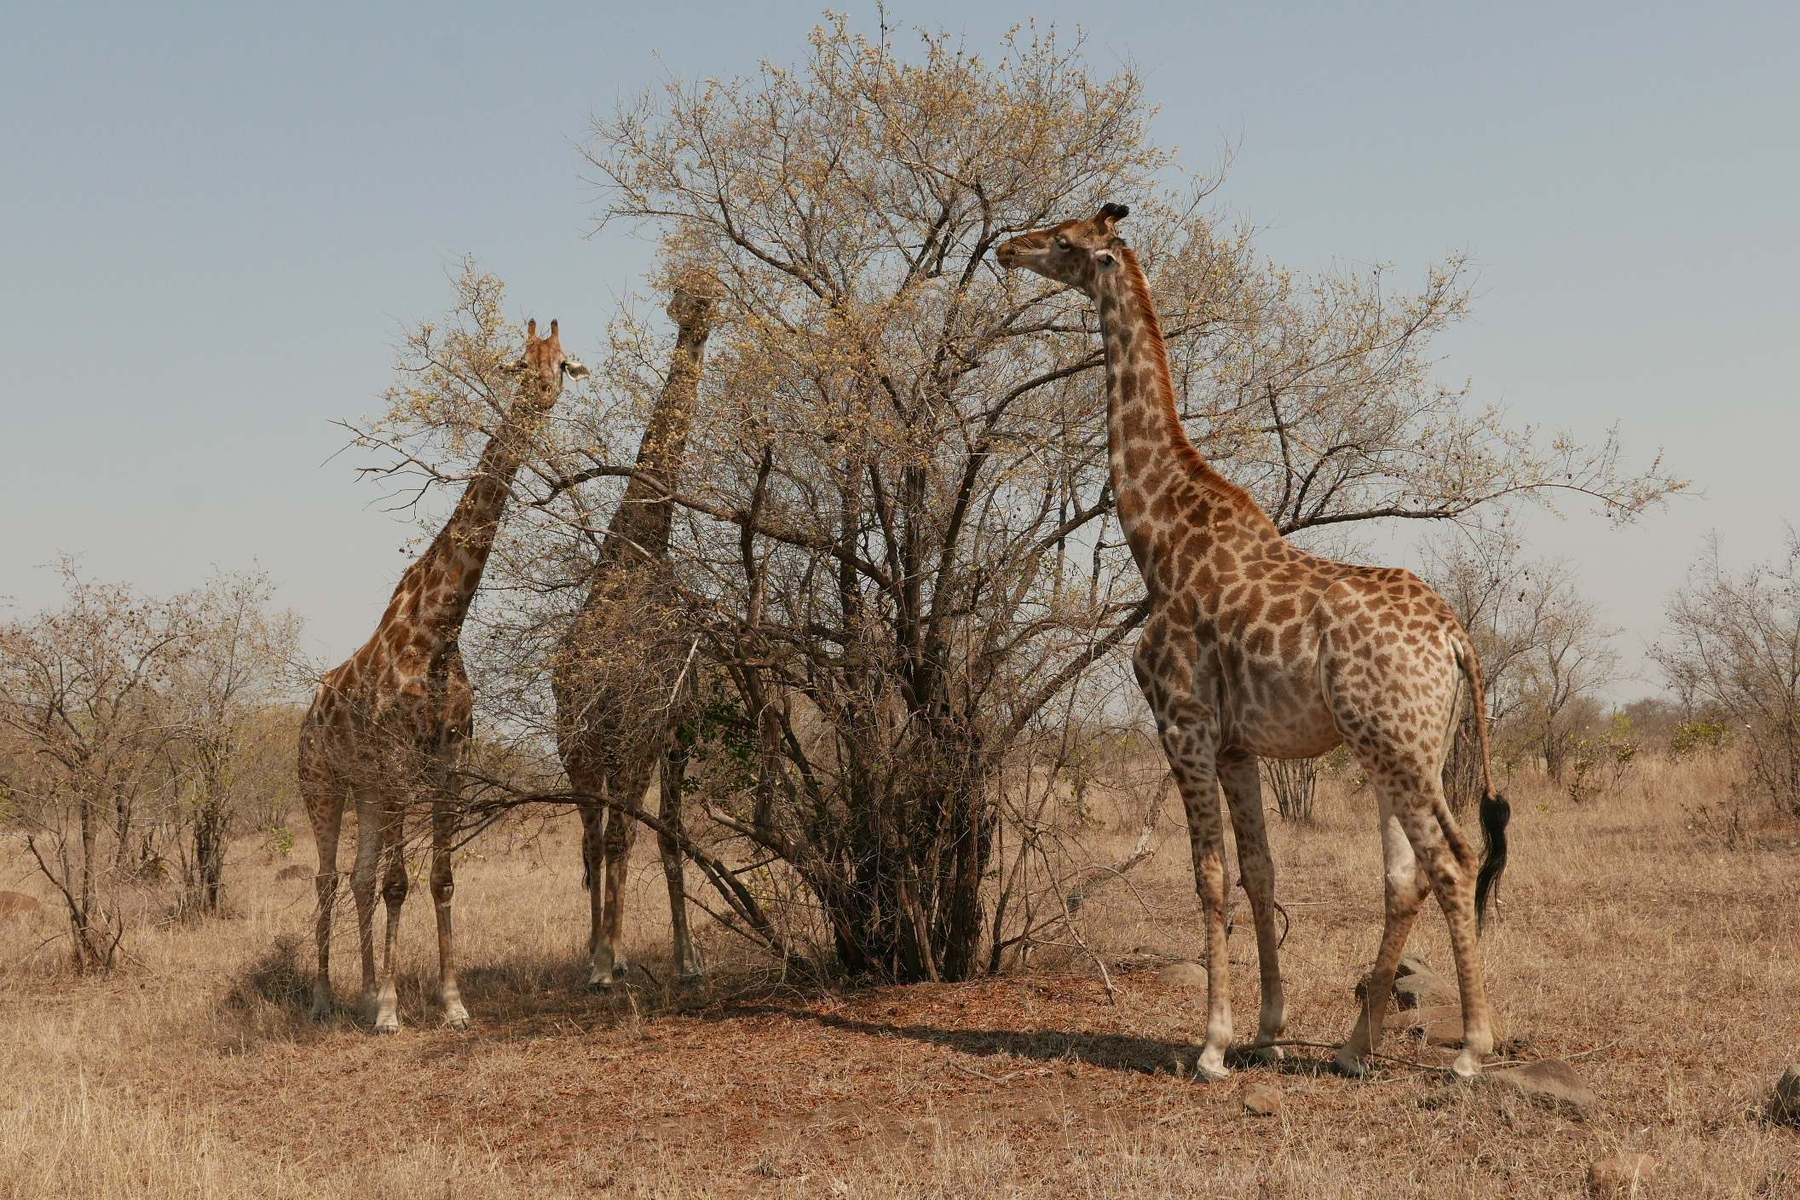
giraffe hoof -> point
(1467, 1066)
(1346, 1063)
(1267, 1055)
(385, 1028)
(459, 1024)
(1206, 1071)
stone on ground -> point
(1784, 1105)
(1416, 985)
(1552, 1083)
(1184, 975)
(1619, 1176)
(1262, 1099)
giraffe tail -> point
(1495, 811)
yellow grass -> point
(1666, 964)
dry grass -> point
(1669, 963)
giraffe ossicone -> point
(1255, 648)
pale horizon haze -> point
(219, 219)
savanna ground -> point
(1663, 963)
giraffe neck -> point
(445, 577)
(640, 527)
(1163, 484)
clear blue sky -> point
(216, 221)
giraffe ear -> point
(575, 368)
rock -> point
(17, 904)
(1183, 975)
(1617, 1176)
(1422, 988)
(1415, 985)
(1262, 1099)
(1439, 1024)
(292, 871)
(1784, 1105)
(1552, 1083)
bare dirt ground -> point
(1663, 964)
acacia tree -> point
(898, 542)
(910, 445)
(1543, 651)
(1733, 647)
(82, 694)
(221, 692)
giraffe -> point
(1255, 648)
(617, 675)
(389, 726)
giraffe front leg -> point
(1242, 785)
(363, 878)
(443, 887)
(393, 892)
(1167, 666)
(674, 776)
(621, 828)
(593, 876)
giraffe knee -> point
(393, 888)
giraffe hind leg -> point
(1404, 889)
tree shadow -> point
(270, 998)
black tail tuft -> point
(1495, 813)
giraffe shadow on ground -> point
(1113, 1051)
(269, 998)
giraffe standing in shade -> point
(617, 677)
(1253, 647)
(388, 727)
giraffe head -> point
(692, 301)
(1073, 252)
(542, 367)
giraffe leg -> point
(593, 876)
(443, 887)
(1404, 889)
(621, 829)
(393, 892)
(326, 808)
(1450, 864)
(1243, 794)
(362, 889)
(1167, 666)
(674, 774)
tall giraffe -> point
(1253, 647)
(389, 726)
(617, 675)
